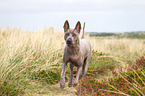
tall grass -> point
(30, 62)
(25, 55)
(126, 49)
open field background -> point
(30, 64)
(129, 35)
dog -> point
(77, 52)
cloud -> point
(39, 6)
(101, 15)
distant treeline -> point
(102, 34)
(132, 35)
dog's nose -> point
(69, 41)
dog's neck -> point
(73, 50)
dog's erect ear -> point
(66, 25)
(78, 26)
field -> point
(131, 35)
(30, 64)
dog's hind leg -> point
(85, 66)
(71, 76)
(77, 76)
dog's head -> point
(71, 35)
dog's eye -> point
(67, 34)
(74, 34)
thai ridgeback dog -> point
(77, 52)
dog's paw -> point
(62, 86)
(62, 83)
(70, 84)
(75, 84)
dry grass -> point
(126, 49)
(25, 56)
(25, 53)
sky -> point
(99, 15)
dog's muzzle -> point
(69, 41)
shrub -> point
(125, 83)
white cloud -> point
(9, 6)
(99, 14)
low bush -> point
(128, 83)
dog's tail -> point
(83, 31)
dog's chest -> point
(75, 60)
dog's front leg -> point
(62, 78)
(71, 76)
(78, 75)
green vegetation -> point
(131, 35)
(128, 82)
(102, 34)
(30, 65)
(140, 35)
